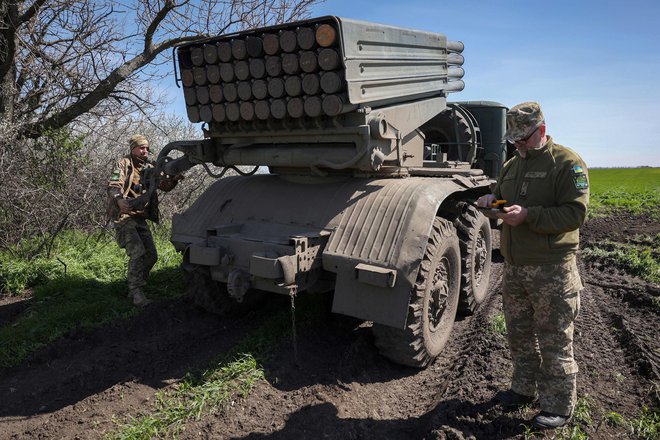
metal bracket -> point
(374, 275)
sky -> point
(592, 65)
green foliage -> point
(530, 432)
(640, 255)
(614, 419)
(84, 286)
(656, 301)
(583, 410)
(647, 426)
(57, 156)
(571, 433)
(76, 255)
(498, 325)
(636, 190)
(17, 275)
(630, 179)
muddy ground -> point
(341, 388)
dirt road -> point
(341, 387)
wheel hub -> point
(438, 294)
(480, 257)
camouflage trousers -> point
(135, 237)
(540, 306)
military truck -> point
(361, 178)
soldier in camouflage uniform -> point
(547, 192)
(130, 221)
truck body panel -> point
(371, 233)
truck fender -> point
(379, 243)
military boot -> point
(547, 420)
(139, 299)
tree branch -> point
(69, 56)
(31, 12)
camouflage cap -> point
(136, 140)
(522, 119)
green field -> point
(636, 190)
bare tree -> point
(60, 59)
(59, 180)
(75, 77)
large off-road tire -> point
(433, 303)
(213, 297)
(452, 130)
(474, 235)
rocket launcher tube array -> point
(300, 70)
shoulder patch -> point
(579, 178)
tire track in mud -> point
(640, 349)
(465, 406)
(355, 391)
(617, 351)
(451, 363)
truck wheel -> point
(474, 236)
(213, 297)
(433, 304)
(452, 130)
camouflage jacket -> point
(552, 183)
(125, 182)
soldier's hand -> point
(486, 201)
(124, 206)
(513, 215)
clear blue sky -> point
(593, 65)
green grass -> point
(583, 410)
(636, 190)
(647, 425)
(82, 286)
(498, 324)
(192, 398)
(529, 432)
(614, 419)
(231, 376)
(639, 255)
(571, 433)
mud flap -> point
(379, 244)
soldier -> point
(130, 220)
(547, 191)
